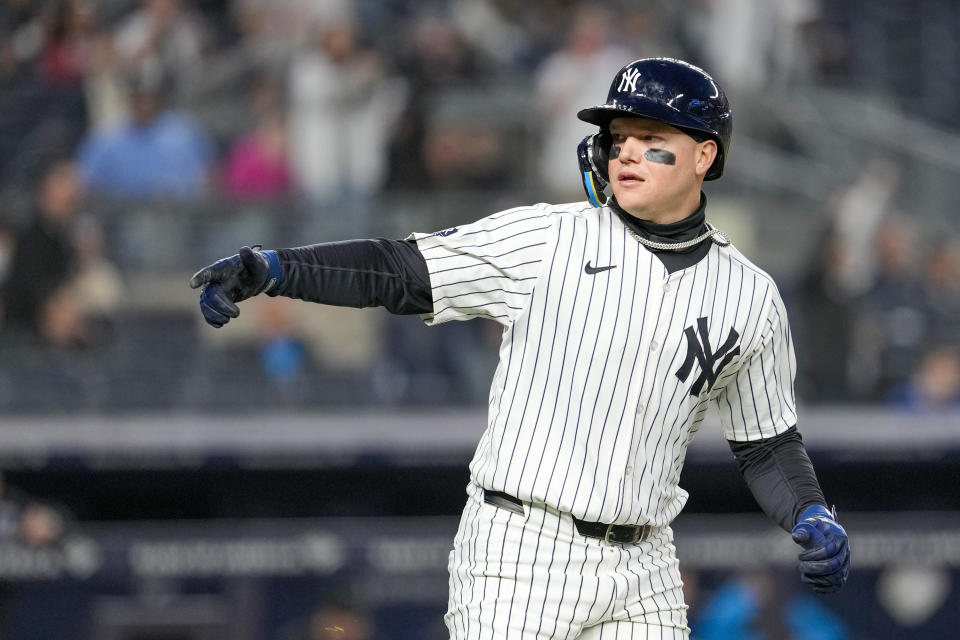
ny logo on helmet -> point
(628, 81)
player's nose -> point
(628, 150)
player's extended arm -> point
(356, 273)
(781, 478)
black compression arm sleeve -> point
(358, 273)
(780, 475)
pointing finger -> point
(216, 272)
(201, 277)
(210, 273)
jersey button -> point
(640, 408)
(654, 345)
(667, 287)
(629, 470)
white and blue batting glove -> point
(825, 560)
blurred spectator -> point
(70, 31)
(756, 606)
(256, 48)
(935, 385)
(271, 31)
(21, 36)
(343, 107)
(846, 330)
(108, 103)
(27, 520)
(758, 44)
(941, 291)
(58, 286)
(486, 27)
(824, 327)
(464, 152)
(256, 165)
(42, 104)
(465, 126)
(576, 76)
(97, 285)
(160, 152)
(858, 210)
(165, 35)
(288, 23)
(892, 319)
(283, 354)
(71, 28)
(61, 322)
(44, 257)
(265, 35)
(434, 59)
(438, 55)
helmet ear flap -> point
(593, 153)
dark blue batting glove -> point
(234, 279)
(825, 560)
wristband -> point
(273, 261)
(817, 510)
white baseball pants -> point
(534, 576)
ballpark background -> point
(299, 475)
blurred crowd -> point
(877, 314)
(330, 104)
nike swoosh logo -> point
(592, 270)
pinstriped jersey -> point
(608, 363)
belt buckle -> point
(606, 536)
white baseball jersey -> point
(608, 363)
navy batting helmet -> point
(663, 89)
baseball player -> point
(624, 318)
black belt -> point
(609, 533)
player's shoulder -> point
(548, 209)
(579, 209)
(542, 212)
(541, 216)
(737, 258)
(538, 209)
(759, 282)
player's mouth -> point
(628, 178)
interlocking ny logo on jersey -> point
(628, 81)
(698, 350)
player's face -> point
(656, 170)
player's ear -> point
(705, 154)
